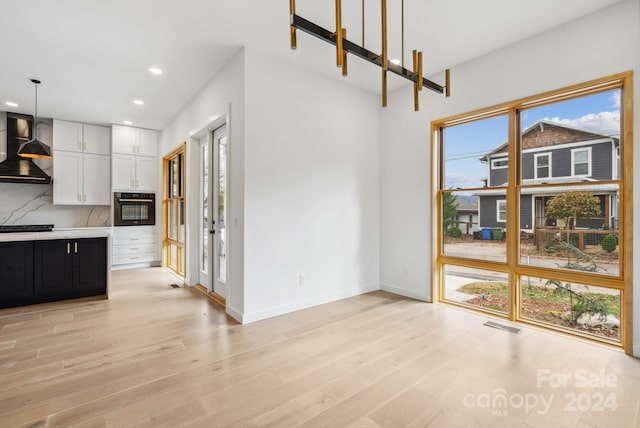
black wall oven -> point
(134, 209)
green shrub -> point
(454, 232)
(609, 243)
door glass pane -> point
(477, 287)
(204, 262)
(222, 208)
(580, 307)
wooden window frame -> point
(180, 200)
(513, 267)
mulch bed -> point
(544, 311)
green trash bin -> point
(497, 234)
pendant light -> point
(35, 148)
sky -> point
(465, 144)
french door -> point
(213, 209)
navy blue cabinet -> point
(48, 270)
(70, 268)
(16, 272)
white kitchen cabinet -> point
(134, 173)
(147, 142)
(80, 137)
(135, 141)
(134, 244)
(81, 164)
(135, 163)
(81, 179)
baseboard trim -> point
(235, 314)
(413, 294)
(304, 304)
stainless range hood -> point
(17, 169)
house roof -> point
(463, 205)
(545, 133)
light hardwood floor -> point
(156, 356)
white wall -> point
(597, 45)
(224, 95)
(311, 189)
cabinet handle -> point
(79, 197)
(137, 184)
(135, 249)
(135, 239)
(84, 146)
(132, 184)
(84, 198)
(68, 248)
(75, 247)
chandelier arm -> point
(321, 33)
(292, 31)
(339, 50)
(385, 56)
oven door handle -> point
(135, 200)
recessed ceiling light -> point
(128, 122)
(155, 70)
(11, 104)
(395, 61)
(138, 102)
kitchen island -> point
(38, 267)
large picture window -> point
(551, 215)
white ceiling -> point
(93, 55)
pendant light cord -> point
(36, 82)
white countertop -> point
(65, 233)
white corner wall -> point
(224, 95)
(598, 45)
(311, 189)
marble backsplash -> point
(33, 203)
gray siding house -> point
(553, 154)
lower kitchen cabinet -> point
(52, 269)
(133, 245)
(70, 268)
(16, 272)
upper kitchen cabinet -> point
(80, 137)
(134, 141)
(81, 164)
(135, 163)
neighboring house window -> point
(542, 165)
(501, 210)
(581, 161)
(499, 163)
